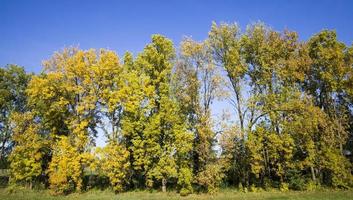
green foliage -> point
(296, 180)
(311, 186)
(13, 83)
(113, 161)
(166, 137)
(185, 181)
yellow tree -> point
(113, 160)
(66, 96)
(225, 43)
(30, 146)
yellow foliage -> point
(114, 162)
(66, 167)
(26, 157)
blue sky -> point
(30, 31)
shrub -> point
(311, 186)
(114, 164)
(284, 187)
(253, 188)
(210, 178)
(184, 181)
(267, 184)
(65, 168)
(296, 180)
(184, 192)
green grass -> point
(222, 195)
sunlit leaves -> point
(26, 157)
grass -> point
(226, 194)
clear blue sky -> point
(30, 31)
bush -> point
(267, 185)
(184, 181)
(210, 178)
(185, 192)
(13, 188)
(240, 187)
(115, 164)
(253, 188)
(311, 186)
(96, 181)
(296, 180)
(4, 180)
(65, 168)
(284, 187)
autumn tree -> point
(226, 50)
(26, 158)
(66, 96)
(326, 80)
(197, 85)
(113, 160)
(134, 120)
(277, 63)
(167, 142)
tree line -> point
(290, 126)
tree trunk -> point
(164, 185)
(313, 173)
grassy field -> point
(222, 195)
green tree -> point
(166, 139)
(13, 83)
(134, 119)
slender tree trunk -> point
(268, 165)
(164, 184)
(313, 173)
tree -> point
(198, 76)
(327, 75)
(276, 64)
(225, 44)
(67, 97)
(26, 159)
(166, 139)
(326, 79)
(13, 83)
(114, 163)
(134, 120)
